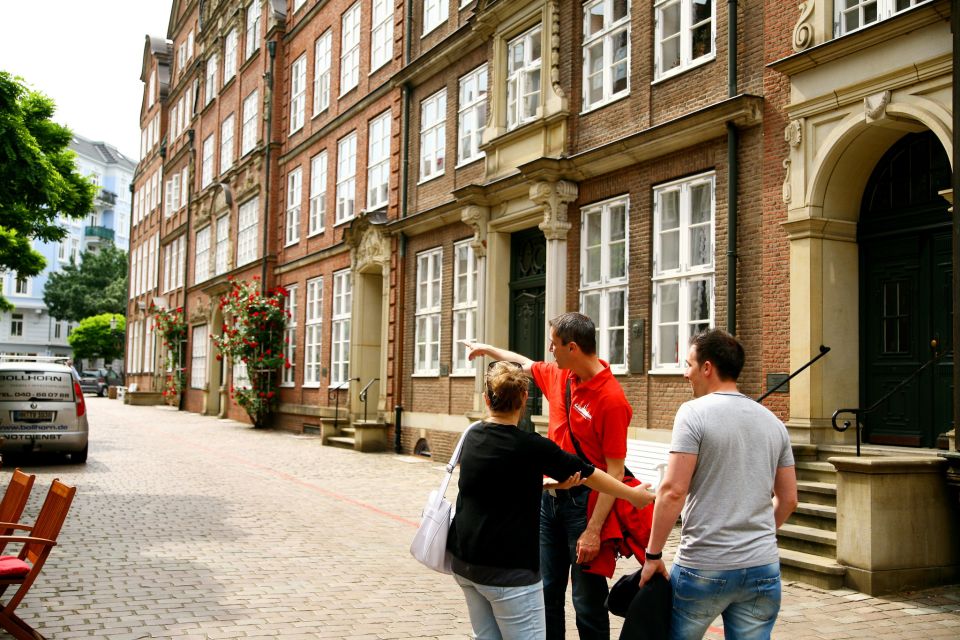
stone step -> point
(348, 431)
(816, 471)
(811, 569)
(804, 452)
(818, 516)
(343, 442)
(808, 540)
(817, 492)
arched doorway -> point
(906, 294)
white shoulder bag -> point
(430, 543)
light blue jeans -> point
(747, 599)
(504, 613)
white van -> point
(42, 407)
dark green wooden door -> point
(906, 296)
(528, 277)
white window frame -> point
(435, 13)
(427, 313)
(313, 333)
(251, 107)
(433, 135)
(198, 356)
(322, 63)
(298, 93)
(297, 4)
(288, 375)
(684, 274)
(606, 37)
(16, 325)
(609, 281)
(210, 82)
(230, 44)
(201, 248)
(253, 28)
(248, 218)
(517, 115)
(226, 144)
(340, 328)
(350, 49)
(885, 9)
(346, 178)
(318, 194)
(222, 248)
(378, 161)
(294, 200)
(465, 284)
(471, 114)
(381, 33)
(206, 172)
(687, 60)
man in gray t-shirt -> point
(731, 471)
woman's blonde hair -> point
(506, 386)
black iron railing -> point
(858, 413)
(334, 393)
(363, 396)
(823, 351)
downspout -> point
(181, 356)
(955, 28)
(129, 271)
(268, 76)
(733, 141)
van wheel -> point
(80, 457)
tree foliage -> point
(94, 338)
(97, 285)
(38, 177)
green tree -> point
(95, 338)
(97, 285)
(38, 177)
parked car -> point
(90, 382)
(42, 407)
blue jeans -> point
(562, 519)
(504, 613)
(748, 600)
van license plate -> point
(33, 416)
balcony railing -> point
(103, 233)
(108, 197)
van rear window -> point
(43, 386)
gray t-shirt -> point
(728, 518)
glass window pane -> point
(670, 20)
(700, 300)
(591, 306)
(669, 210)
(616, 353)
(701, 10)
(670, 54)
(701, 41)
(594, 19)
(535, 46)
(700, 245)
(669, 251)
(699, 203)
(669, 302)
(618, 260)
(593, 265)
(619, 9)
(616, 301)
(667, 351)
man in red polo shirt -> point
(599, 415)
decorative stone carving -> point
(803, 31)
(793, 133)
(476, 217)
(368, 244)
(554, 198)
(787, 195)
(555, 49)
(200, 313)
(875, 106)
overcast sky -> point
(87, 56)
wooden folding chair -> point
(23, 569)
(14, 500)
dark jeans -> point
(562, 519)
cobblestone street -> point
(191, 527)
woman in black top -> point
(494, 537)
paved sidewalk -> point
(192, 527)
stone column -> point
(554, 198)
(896, 525)
(477, 217)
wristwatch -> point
(654, 556)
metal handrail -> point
(859, 413)
(334, 392)
(823, 351)
(363, 396)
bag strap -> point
(576, 445)
(454, 459)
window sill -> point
(463, 374)
(429, 178)
(428, 31)
(287, 385)
(373, 70)
(665, 372)
(295, 131)
(317, 114)
(316, 233)
(673, 73)
(425, 374)
(339, 223)
(290, 244)
(310, 385)
(606, 102)
(469, 161)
